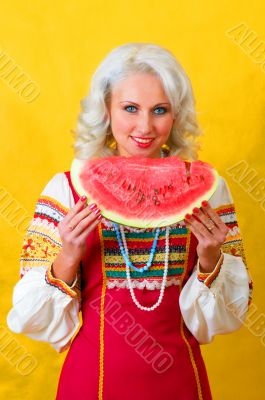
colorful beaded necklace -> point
(124, 251)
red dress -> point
(120, 351)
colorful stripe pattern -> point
(139, 247)
(42, 243)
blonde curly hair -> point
(93, 136)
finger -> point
(89, 229)
(205, 219)
(83, 214)
(79, 225)
(214, 216)
(194, 231)
(75, 209)
(199, 227)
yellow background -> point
(59, 44)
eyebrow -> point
(129, 101)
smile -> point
(142, 140)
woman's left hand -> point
(211, 233)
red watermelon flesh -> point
(144, 192)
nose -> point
(144, 123)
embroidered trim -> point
(50, 209)
(208, 277)
(192, 359)
(61, 285)
(109, 224)
(148, 284)
(102, 318)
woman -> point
(140, 337)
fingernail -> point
(83, 198)
(92, 206)
(205, 203)
(188, 216)
(196, 210)
(96, 211)
(100, 216)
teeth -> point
(143, 140)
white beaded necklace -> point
(163, 285)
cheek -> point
(165, 126)
(120, 124)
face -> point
(140, 110)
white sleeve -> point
(46, 308)
(217, 302)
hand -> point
(211, 233)
(75, 227)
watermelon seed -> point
(157, 202)
(139, 201)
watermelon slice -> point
(144, 192)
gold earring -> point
(113, 145)
(110, 140)
(165, 147)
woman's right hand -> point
(74, 228)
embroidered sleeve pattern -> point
(42, 243)
(61, 285)
(208, 277)
(233, 245)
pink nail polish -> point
(188, 216)
(205, 203)
(92, 206)
(96, 211)
(196, 210)
(83, 198)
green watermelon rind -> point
(137, 222)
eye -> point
(164, 110)
(126, 108)
(161, 108)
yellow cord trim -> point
(101, 330)
(182, 330)
(192, 361)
